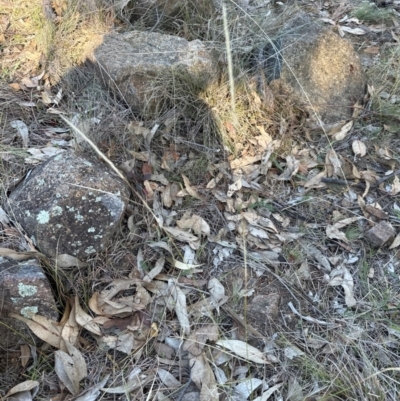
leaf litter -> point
(278, 212)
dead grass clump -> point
(386, 89)
(189, 19)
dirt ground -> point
(257, 286)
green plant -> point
(369, 12)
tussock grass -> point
(370, 13)
(358, 356)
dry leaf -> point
(344, 131)
(65, 260)
(197, 340)
(180, 306)
(70, 368)
(47, 332)
(23, 131)
(333, 233)
(292, 167)
(234, 187)
(341, 276)
(168, 379)
(9, 253)
(85, 320)
(333, 164)
(315, 181)
(184, 236)
(184, 266)
(190, 189)
(395, 186)
(319, 257)
(396, 242)
(203, 376)
(157, 269)
(354, 31)
(244, 350)
(25, 354)
(196, 223)
(93, 393)
(134, 382)
(27, 385)
(359, 148)
(246, 387)
(265, 396)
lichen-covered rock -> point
(131, 62)
(24, 290)
(318, 68)
(70, 204)
(381, 234)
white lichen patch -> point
(91, 230)
(70, 208)
(57, 211)
(90, 250)
(28, 311)
(58, 195)
(98, 199)
(79, 217)
(26, 290)
(83, 197)
(40, 181)
(27, 213)
(87, 163)
(58, 225)
(43, 217)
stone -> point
(131, 62)
(263, 309)
(71, 204)
(24, 289)
(314, 65)
(381, 234)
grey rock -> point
(381, 234)
(131, 62)
(314, 65)
(263, 310)
(24, 289)
(70, 204)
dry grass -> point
(357, 357)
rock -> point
(381, 234)
(264, 309)
(134, 60)
(314, 64)
(24, 289)
(70, 204)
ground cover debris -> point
(257, 258)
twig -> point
(250, 329)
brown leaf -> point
(24, 386)
(380, 214)
(25, 354)
(197, 340)
(191, 191)
(70, 368)
(47, 333)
